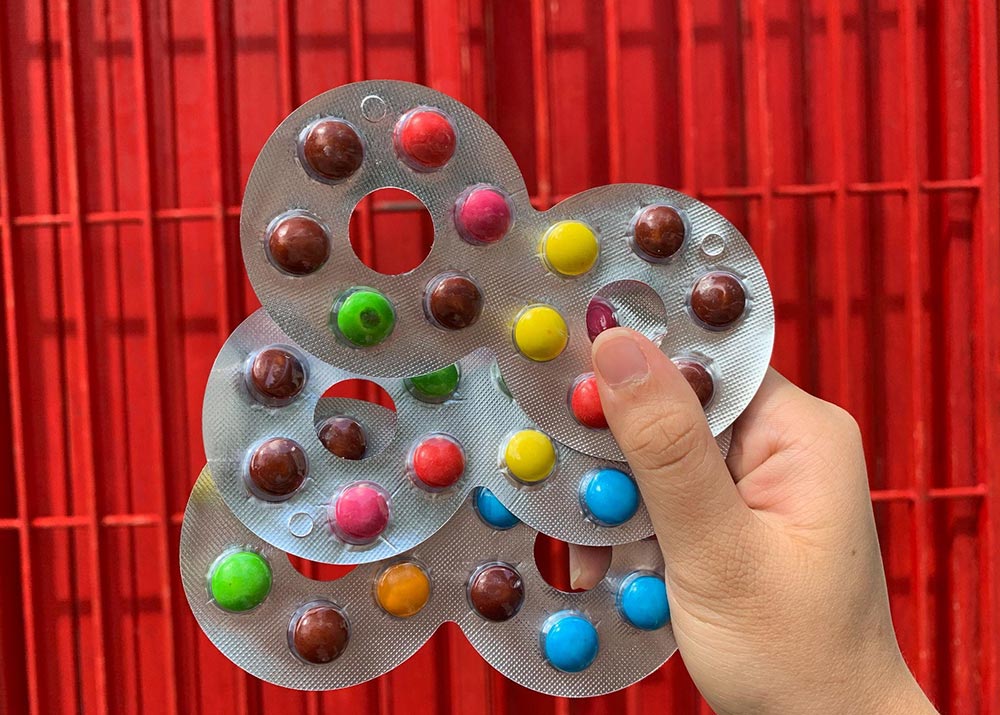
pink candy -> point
(600, 317)
(482, 215)
(360, 513)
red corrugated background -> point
(854, 142)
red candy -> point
(483, 215)
(360, 513)
(437, 462)
(585, 403)
(425, 139)
(600, 317)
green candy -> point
(364, 317)
(435, 386)
(240, 581)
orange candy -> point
(402, 590)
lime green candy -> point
(240, 581)
(364, 317)
(435, 386)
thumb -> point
(661, 428)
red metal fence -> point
(855, 143)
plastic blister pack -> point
(500, 274)
(289, 630)
(347, 481)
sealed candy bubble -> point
(331, 149)
(436, 462)
(298, 244)
(493, 512)
(360, 513)
(718, 299)
(569, 642)
(642, 601)
(425, 138)
(453, 301)
(496, 592)
(529, 456)
(363, 317)
(609, 496)
(482, 214)
(585, 402)
(570, 248)
(658, 232)
(343, 436)
(698, 377)
(540, 333)
(275, 375)
(600, 317)
(240, 581)
(402, 589)
(319, 633)
(436, 386)
(277, 468)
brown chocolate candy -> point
(276, 375)
(698, 377)
(718, 299)
(298, 245)
(278, 467)
(659, 232)
(320, 634)
(343, 437)
(333, 149)
(454, 302)
(496, 592)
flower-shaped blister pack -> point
(333, 480)
(311, 635)
(500, 275)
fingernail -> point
(620, 362)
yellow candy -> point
(402, 590)
(530, 456)
(570, 248)
(540, 333)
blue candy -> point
(492, 511)
(570, 642)
(642, 602)
(609, 496)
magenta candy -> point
(600, 317)
(482, 215)
(360, 513)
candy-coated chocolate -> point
(277, 468)
(530, 456)
(570, 248)
(609, 496)
(437, 462)
(718, 299)
(585, 403)
(493, 512)
(320, 634)
(298, 245)
(276, 375)
(540, 333)
(436, 386)
(333, 149)
(698, 377)
(402, 589)
(344, 437)
(364, 317)
(482, 215)
(453, 301)
(600, 317)
(496, 592)
(360, 513)
(425, 139)
(658, 233)
(642, 601)
(240, 581)
(570, 642)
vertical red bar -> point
(758, 22)
(613, 69)
(540, 87)
(685, 58)
(74, 278)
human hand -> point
(777, 595)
